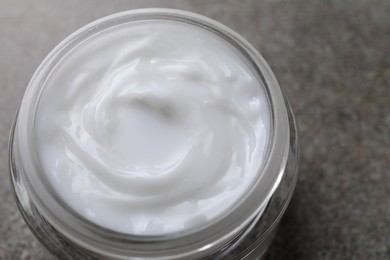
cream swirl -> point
(152, 127)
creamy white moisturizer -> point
(152, 127)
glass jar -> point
(244, 232)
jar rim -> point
(179, 244)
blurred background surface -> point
(331, 57)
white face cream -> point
(152, 127)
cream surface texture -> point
(152, 128)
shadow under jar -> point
(62, 201)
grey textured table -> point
(331, 57)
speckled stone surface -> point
(331, 57)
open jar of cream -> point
(154, 134)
